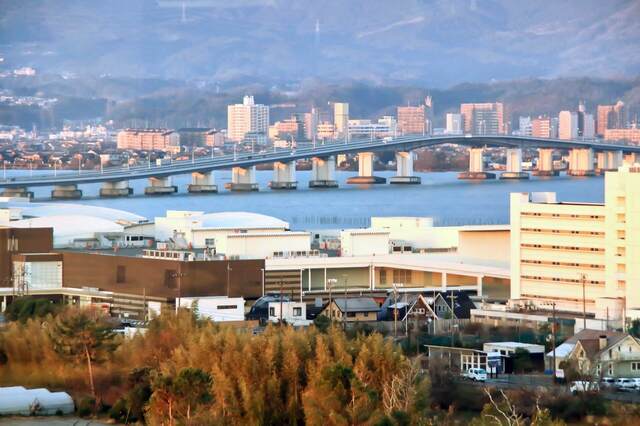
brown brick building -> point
(163, 277)
(19, 241)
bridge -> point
(115, 180)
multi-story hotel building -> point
(558, 249)
(412, 120)
(567, 125)
(629, 135)
(341, 118)
(610, 117)
(149, 140)
(483, 118)
(541, 127)
(247, 117)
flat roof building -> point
(557, 249)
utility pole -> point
(453, 301)
(346, 310)
(553, 340)
(228, 277)
(281, 295)
(330, 284)
(583, 280)
(395, 311)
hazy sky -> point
(432, 42)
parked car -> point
(608, 382)
(624, 384)
(475, 374)
(583, 386)
(636, 383)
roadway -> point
(202, 164)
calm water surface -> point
(441, 196)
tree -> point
(23, 308)
(322, 323)
(181, 395)
(82, 334)
(522, 361)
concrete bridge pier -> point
(365, 170)
(581, 162)
(160, 186)
(614, 159)
(284, 176)
(630, 159)
(514, 165)
(118, 188)
(545, 163)
(243, 179)
(608, 161)
(66, 192)
(404, 174)
(323, 173)
(202, 182)
(21, 192)
(476, 166)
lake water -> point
(442, 196)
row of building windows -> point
(555, 247)
(561, 280)
(563, 232)
(564, 216)
(569, 264)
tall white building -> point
(525, 126)
(557, 248)
(567, 125)
(589, 129)
(341, 118)
(247, 117)
(454, 124)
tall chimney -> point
(602, 342)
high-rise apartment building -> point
(412, 120)
(558, 249)
(483, 118)
(611, 117)
(453, 124)
(541, 127)
(630, 135)
(524, 126)
(567, 125)
(341, 118)
(311, 120)
(149, 140)
(247, 117)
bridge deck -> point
(406, 143)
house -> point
(355, 309)
(260, 309)
(426, 307)
(502, 356)
(294, 313)
(599, 353)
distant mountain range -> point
(173, 103)
(436, 43)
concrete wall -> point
(262, 245)
(489, 245)
(364, 243)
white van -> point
(475, 374)
(583, 386)
(624, 384)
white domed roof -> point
(241, 220)
(60, 209)
(68, 228)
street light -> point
(583, 280)
(330, 283)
